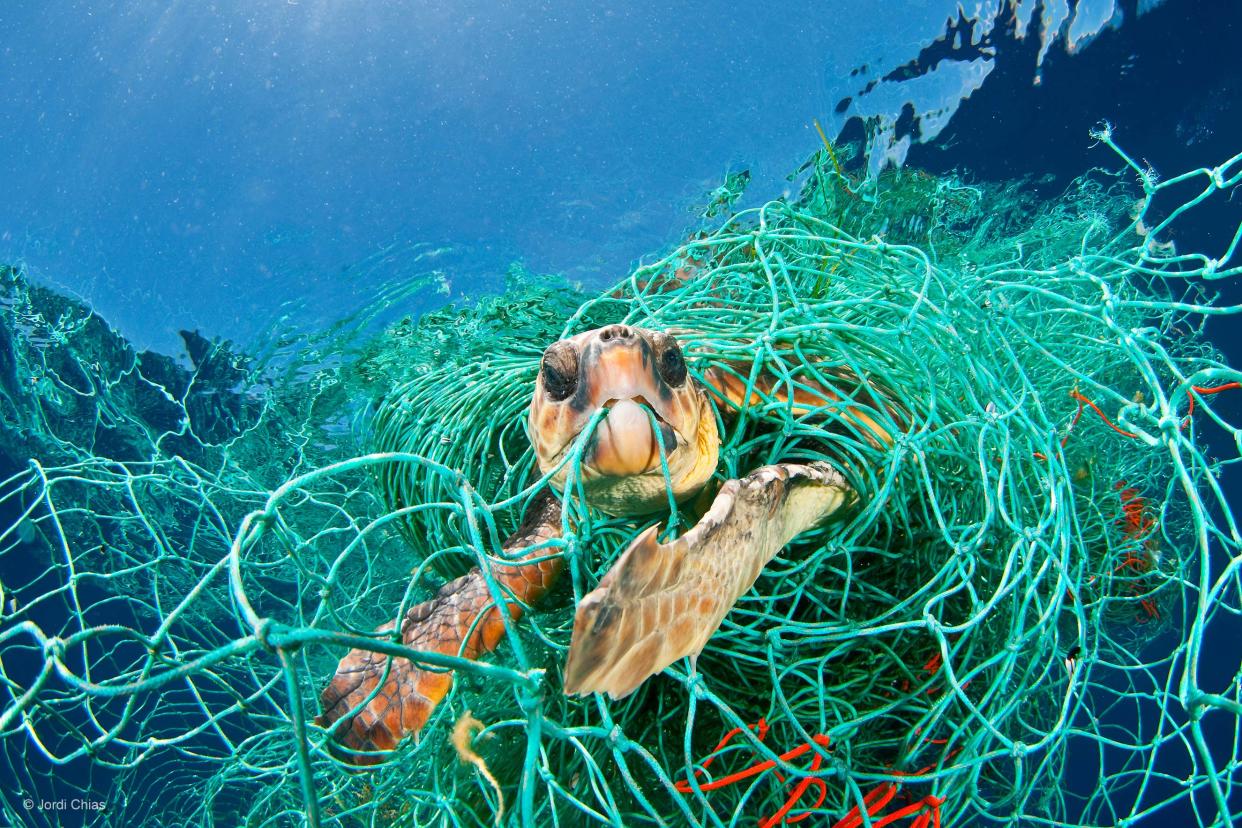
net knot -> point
(618, 737)
(1195, 707)
(775, 642)
(530, 699)
(54, 648)
(262, 632)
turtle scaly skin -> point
(659, 602)
(444, 624)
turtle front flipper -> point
(662, 601)
(461, 620)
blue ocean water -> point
(201, 165)
(230, 167)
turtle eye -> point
(560, 371)
(672, 363)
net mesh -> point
(1023, 622)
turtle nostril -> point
(616, 332)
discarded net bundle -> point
(982, 623)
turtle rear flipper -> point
(662, 601)
(461, 620)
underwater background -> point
(230, 231)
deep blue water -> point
(202, 165)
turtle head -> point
(620, 369)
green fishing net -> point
(1011, 628)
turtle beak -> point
(624, 443)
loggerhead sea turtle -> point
(660, 601)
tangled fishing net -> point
(1012, 627)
